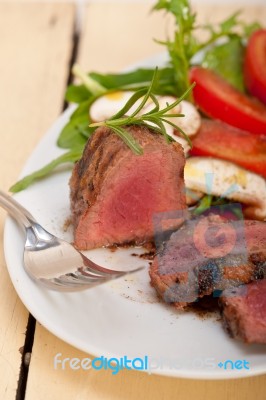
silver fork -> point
(52, 261)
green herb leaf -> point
(93, 86)
(184, 45)
(138, 79)
(147, 94)
(250, 28)
(203, 205)
(155, 117)
(227, 60)
(76, 131)
(85, 131)
(133, 99)
(128, 139)
(77, 94)
(159, 123)
(230, 23)
(179, 130)
(71, 135)
(70, 156)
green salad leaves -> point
(184, 49)
(69, 157)
(225, 58)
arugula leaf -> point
(77, 93)
(231, 26)
(72, 134)
(231, 22)
(249, 29)
(93, 86)
(173, 80)
(76, 131)
(185, 45)
(209, 201)
(84, 130)
(203, 205)
(134, 80)
(138, 79)
(227, 60)
(70, 156)
(182, 47)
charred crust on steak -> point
(212, 276)
(207, 276)
(259, 262)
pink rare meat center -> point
(115, 194)
(256, 301)
(136, 198)
(132, 199)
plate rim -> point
(9, 224)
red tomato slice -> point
(255, 65)
(218, 99)
(219, 140)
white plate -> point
(122, 317)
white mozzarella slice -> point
(225, 179)
(109, 104)
(191, 122)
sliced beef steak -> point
(207, 255)
(115, 193)
(244, 311)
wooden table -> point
(39, 42)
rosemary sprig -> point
(155, 119)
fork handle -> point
(16, 210)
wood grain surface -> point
(36, 48)
(35, 43)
